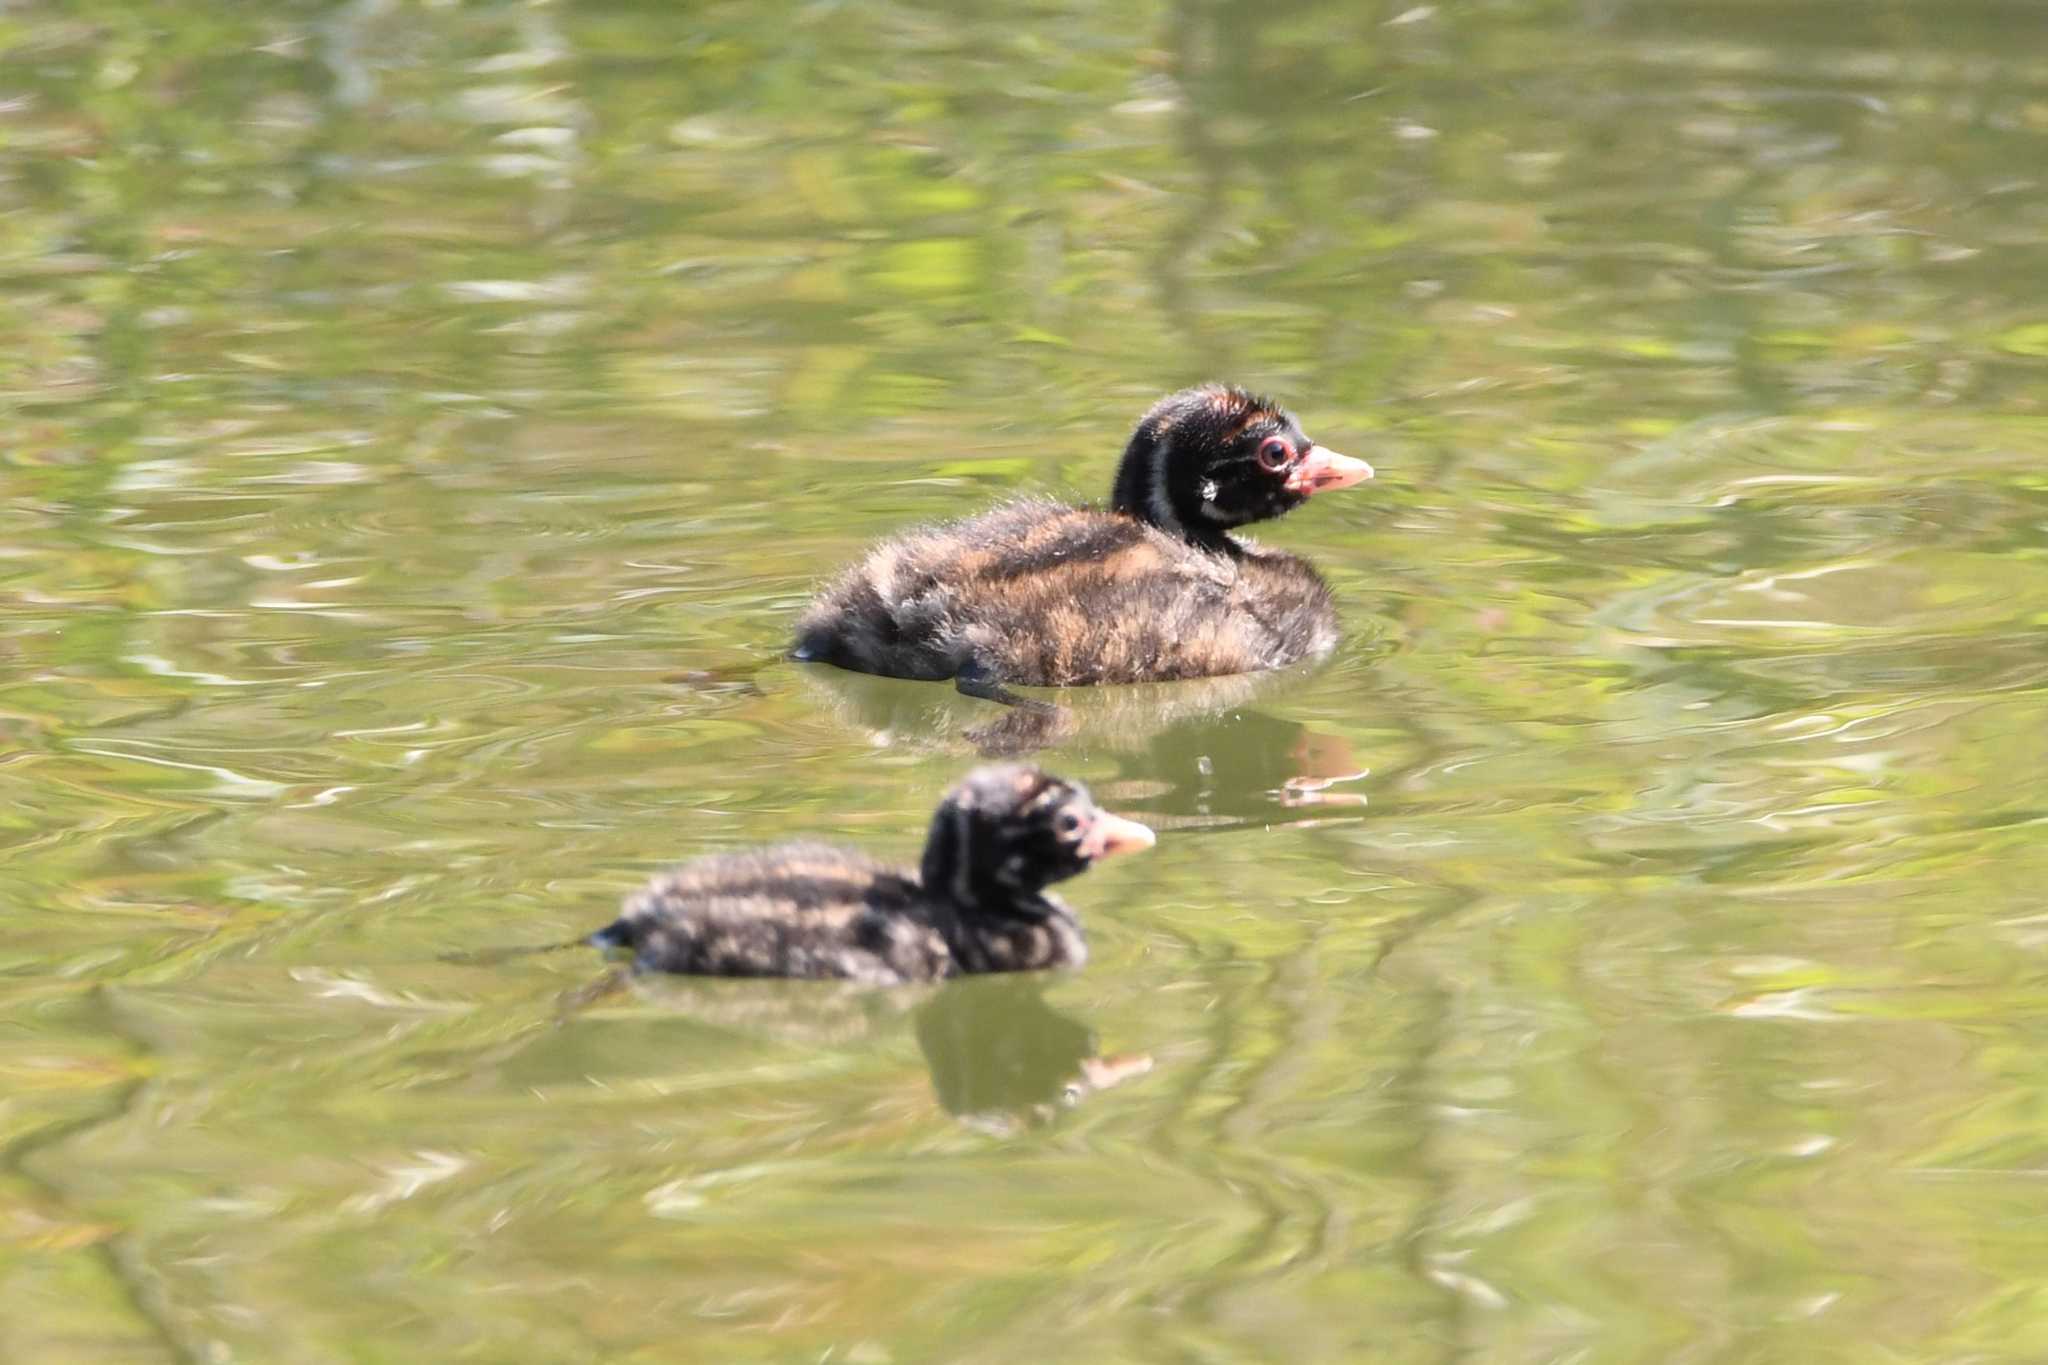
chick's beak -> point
(1111, 834)
(1322, 469)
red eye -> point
(1274, 454)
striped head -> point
(1209, 458)
(1005, 832)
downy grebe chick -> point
(1152, 588)
(976, 904)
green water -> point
(1629, 947)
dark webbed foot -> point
(977, 679)
(572, 1003)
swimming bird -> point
(1154, 587)
(976, 903)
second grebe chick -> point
(977, 902)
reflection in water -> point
(807, 1014)
(893, 711)
(1190, 749)
(1249, 768)
(1000, 1055)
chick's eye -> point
(1068, 823)
(1274, 454)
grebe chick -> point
(977, 903)
(1152, 588)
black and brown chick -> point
(977, 903)
(1151, 588)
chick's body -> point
(800, 909)
(1153, 587)
(1043, 593)
(977, 902)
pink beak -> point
(1111, 834)
(1321, 469)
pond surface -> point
(423, 421)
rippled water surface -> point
(423, 420)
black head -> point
(1206, 459)
(1007, 831)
